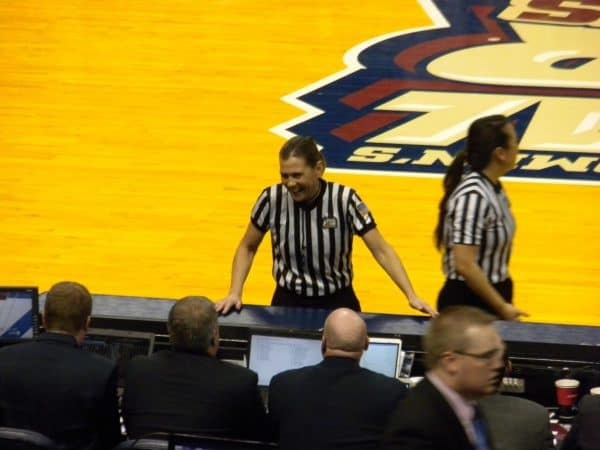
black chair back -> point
(21, 439)
(216, 443)
(143, 444)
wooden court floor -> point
(134, 139)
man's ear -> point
(449, 362)
(87, 323)
(214, 340)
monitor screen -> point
(118, 345)
(19, 313)
(271, 354)
(384, 356)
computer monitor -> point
(384, 356)
(19, 312)
(118, 345)
(272, 353)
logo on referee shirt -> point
(329, 223)
(405, 101)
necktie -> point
(481, 436)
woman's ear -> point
(320, 167)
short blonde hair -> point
(68, 306)
(448, 331)
(192, 324)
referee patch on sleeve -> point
(362, 209)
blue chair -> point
(21, 439)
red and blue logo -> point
(405, 101)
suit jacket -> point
(585, 432)
(186, 392)
(425, 421)
(334, 404)
(516, 423)
(54, 387)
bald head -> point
(344, 334)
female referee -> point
(475, 225)
(312, 223)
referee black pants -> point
(344, 298)
(456, 292)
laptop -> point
(19, 313)
(384, 356)
(273, 352)
(119, 346)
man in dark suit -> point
(464, 356)
(336, 403)
(54, 387)
(585, 432)
(187, 389)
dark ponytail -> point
(451, 180)
(484, 136)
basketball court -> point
(135, 137)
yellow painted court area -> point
(134, 139)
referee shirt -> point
(478, 213)
(312, 243)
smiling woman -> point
(301, 166)
(312, 223)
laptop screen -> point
(118, 345)
(19, 313)
(384, 356)
(271, 354)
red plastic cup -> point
(566, 391)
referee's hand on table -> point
(225, 305)
(510, 312)
(421, 305)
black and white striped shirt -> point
(312, 244)
(478, 213)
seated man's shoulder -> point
(380, 382)
(95, 359)
(235, 369)
(590, 403)
(9, 350)
(294, 375)
(512, 403)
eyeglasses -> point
(490, 355)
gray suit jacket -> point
(516, 423)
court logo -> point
(405, 101)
